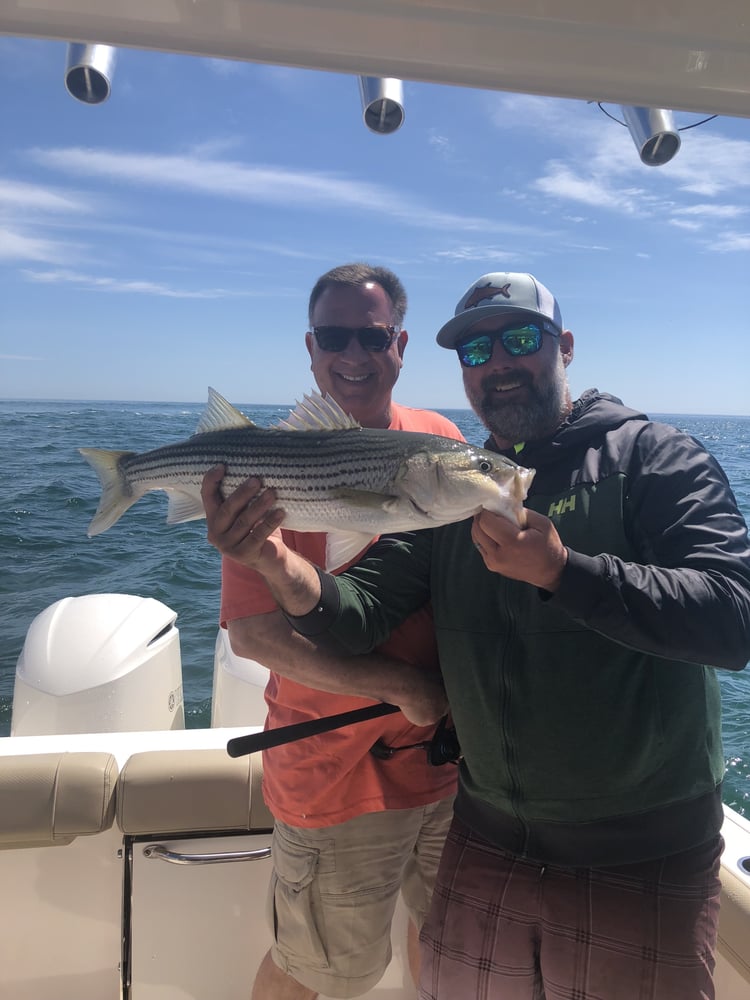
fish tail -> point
(117, 495)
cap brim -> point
(455, 328)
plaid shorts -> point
(504, 928)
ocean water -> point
(49, 495)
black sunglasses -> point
(371, 338)
(518, 341)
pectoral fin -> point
(343, 547)
(184, 507)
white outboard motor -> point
(102, 663)
(238, 687)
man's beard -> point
(546, 405)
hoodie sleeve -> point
(360, 607)
(688, 597)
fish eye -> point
(485, 465)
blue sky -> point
(167, 239)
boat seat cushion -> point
(734, 940)
(51, 798)
(191, 791)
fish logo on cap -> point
(488, 291)
(500, 293)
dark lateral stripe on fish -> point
(328, 474)
(281, 460)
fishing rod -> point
(442, 748)
(241, 745)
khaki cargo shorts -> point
(334, 890)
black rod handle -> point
(241, 745)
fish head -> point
(454, 483)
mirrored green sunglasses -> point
(517, 340)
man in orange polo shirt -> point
(352, 829)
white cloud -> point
(557, 117)
(275, 185)
(20, 195)
(442, 145)
(598, 166)
(713, 164)
(214, 147)
(731, 242)
(27, 210)
(484, 252)
(714, 211)
(16, 245)
(688, 224)
(561, 182)
(707, 163)
(593, 247)
(105, 284)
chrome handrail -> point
(161, 853)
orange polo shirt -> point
(332, 777)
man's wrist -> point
(324, 611)
(294, 583)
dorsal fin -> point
(220, 415)
(317, 413)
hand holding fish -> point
(534, 554)
(242, 525)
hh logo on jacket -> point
(560, 507)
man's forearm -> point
(243, 527)
(294, 583)
(269, 639)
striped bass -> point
(329, 473)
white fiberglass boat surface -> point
(133, 852)
(134, 860)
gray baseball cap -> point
(496, 294)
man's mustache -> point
(494, 383)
